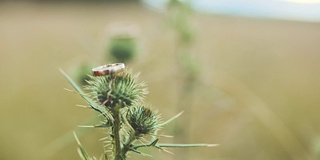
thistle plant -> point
(117, 95)
(180, 18)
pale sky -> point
(300, 10)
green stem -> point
(126, 146)
(130, 140)
(116, 133)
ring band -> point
(108, 69)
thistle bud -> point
(123, 45)
(111, 91)
(123, 48)
(143, 120)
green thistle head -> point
(123, 48)
(116, 90)
(143, 120)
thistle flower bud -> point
(122, 90)
(123, 49)
(123, 45)
(143, 120)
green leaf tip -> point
(81, 150)
(93, 105)
(169, 120)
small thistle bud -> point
(123, 48)
(143, 120)
(123, 45)
(122, 90)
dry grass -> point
(258, 96)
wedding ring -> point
(108, 69)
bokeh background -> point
(256, 93)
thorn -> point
(213, 145)
(69, 90)
(154, 142)
(82, 106)
(166, 136)
(162, 149)
(104, 138)
(86, 126)
(76, 137)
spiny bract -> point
(112, 90)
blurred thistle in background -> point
(123, 45)
(179, 19)
(82, 72)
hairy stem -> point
(126, 146)
(116, 133)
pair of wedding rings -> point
(108, 69)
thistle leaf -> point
(96, 107)
(81, 150)
(185, 145)
(154, 143)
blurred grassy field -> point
(258, 96)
